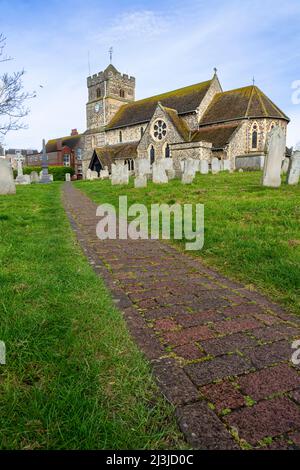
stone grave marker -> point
(7, 184)
(276, 147)
(293, 174)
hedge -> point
(58, 172)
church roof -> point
(109, 153)
(178, 122)
(219, 136)
(183, 100)
(241, 103)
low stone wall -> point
(250, 163)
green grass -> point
(74, 379)
(252, 233)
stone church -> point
(199, 121)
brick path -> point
(220, 353)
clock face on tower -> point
(97, 107)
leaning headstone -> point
(140, 181)
(215, 165)
(68, 177)
(189, 172)
(7, 184)
(276, 147)
(203, 167)
(293, 174)
(159, 174)
(34, 177)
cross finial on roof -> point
(253, 81)
(110, 54)
(215, 70)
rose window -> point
(159, 129)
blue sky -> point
(164, 44)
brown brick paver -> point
(220, 353)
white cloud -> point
(135, 24)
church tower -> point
(107, 92)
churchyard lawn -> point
(73, 377)
(252, 234)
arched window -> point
(152, 155)
(98, 93)
(254, 139)
(142, 131)
(167, 151)
(122, 93)
(120, 136)
(272, 125)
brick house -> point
(62, 151)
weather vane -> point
(110, 54)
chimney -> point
(74, 132)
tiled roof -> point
(219, 136)
(70, 141)
(178, 123)
(183, 100)
(108, 154)
(247, 102)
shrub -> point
(58, 172)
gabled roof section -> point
(219, 136)
(183, 100)
(241, 103)
(179, 124)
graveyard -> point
(251, 232)
(64, 328)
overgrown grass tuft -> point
(252, 233)
(74, 379)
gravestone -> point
(34, 177)
(226, 165)
(203, 167)
(91, 175)
(171, 173)
(293, 174)
(21, 179)
(7, 184)
(68, 177)
(119, 173)
(285, 166)
(50, 177)
(189, 171)
(140, 181)
(167, 163)
(142, 166)
(104, 173)
(215, 165)
(45, 178)
(159, 175)
(276, 147)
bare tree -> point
(12, 97)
